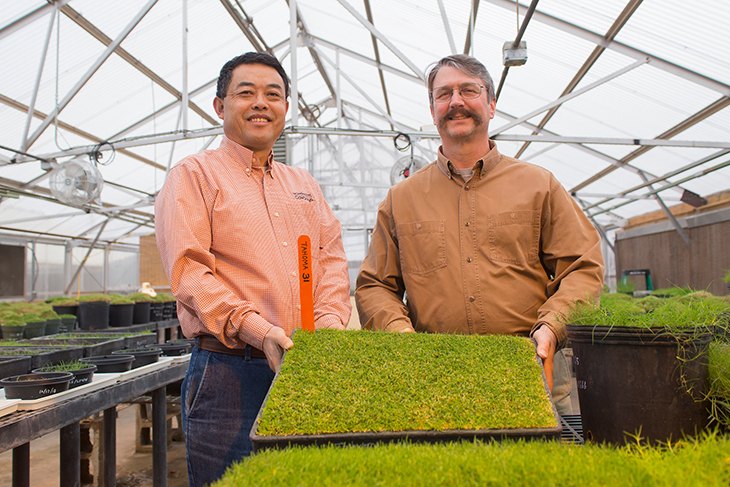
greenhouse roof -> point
(625, 102)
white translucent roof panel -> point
(124, 104)
(694, 35)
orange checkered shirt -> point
(228, 242)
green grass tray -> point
(362, 387)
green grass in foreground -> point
(360, 381)
(704, 462)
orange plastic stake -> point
(305, 283)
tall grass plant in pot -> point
(12, 325)
(121, 312)
(642, 366)
(141, 313)
(94, 311)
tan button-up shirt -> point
(499, 253)
(228, 241)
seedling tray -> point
(138, 340)
(362, 387)
(10, 366)
(92, 346)
(42, 356)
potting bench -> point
(19, 428)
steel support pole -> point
(159, 437)
(294, 103)
(109, 474)
(21, 465)
(70, 444)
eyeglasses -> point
(468, 92)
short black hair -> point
(224, 79)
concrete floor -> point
(133, 469)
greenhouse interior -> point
(159, 215)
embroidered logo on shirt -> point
(303, 196)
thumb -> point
(285, 342)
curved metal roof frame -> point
(625, 101)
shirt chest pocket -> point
(422, 246)
(514, 237)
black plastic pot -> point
(12, 332)
(142, 356)
(52, 326)
(34, 386)
(34, 329)
(93, 315)
(141, 313)
(173, 349)
(157, 311)
(67, 325)
(167, 308)
(635, 381)
(121, 314)
(66, 310)
(109, 364)
(80, 376)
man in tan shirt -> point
(477, 242)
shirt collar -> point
(485, 164)
(245, 156)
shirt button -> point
(284, 244)
(276, 214)
(467, 224)
(513, 215)
(468, 259)
(294, 273)
(466, 188)
(299, 306)
(472, 298)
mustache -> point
(459, 111)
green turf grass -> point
(704, 462)
(363, 381)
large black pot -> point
(93, 315)
(141, 313)
(121, 315)
(636, 381)
(109, 364)
(142, 356)
(157, 311)
(66, 310)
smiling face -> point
(460, 120)
(254, 108)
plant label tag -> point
(306, 275)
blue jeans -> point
(221, 396)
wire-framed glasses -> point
(468, 91)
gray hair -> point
(467, 65)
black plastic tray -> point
(91, 345)
(41, 356)
(260, 442)
(10, 366)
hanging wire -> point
(405, 141)
(96, 156)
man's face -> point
(459, 119)
(254, 108)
